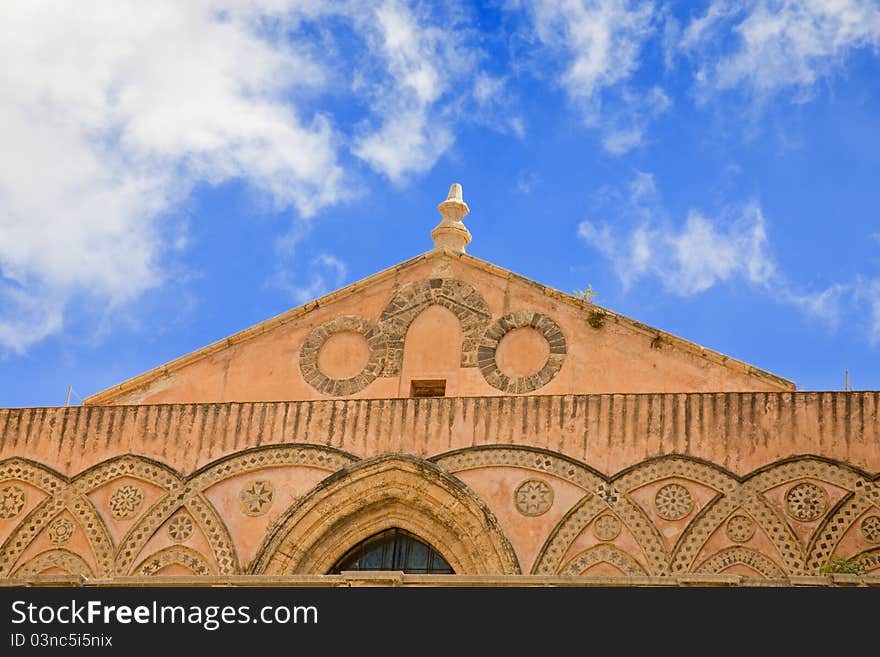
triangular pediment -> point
(443, 323)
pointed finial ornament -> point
(451, 233)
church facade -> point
(446, 421)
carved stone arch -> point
(85, 514)
(190, 497)
(177, 555)
(96, 532)
(50, 482)
(127, 465)
(313, 456)
(806, 466)
(563, 534)
(33, 473)
(663, 467)
(603, 553)
(520, 456)
(865, 494)
(381, 493)
(797, 558)
(63, 494)
(755, 560)
(698, 531)
(57, 558)
(465, 302)
(205, 516)
(27, 530)
(827, 535)
(869, 560)
(580, 474)
(705, 521)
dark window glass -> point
(394, 549)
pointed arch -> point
(463, 299)
(869, 560)
(57, 558)
(176, 555)
(603, 553)
(758, 562)
(378, 494)
(394, 549)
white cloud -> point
(627, 124)
(28, 316)
(690, 259)
(602, 40)
(424, 63)
(492, 100)
(601, 43)
(110, 113)
(642, 187)
(704, 252)
(325, 274)
(777, 45)
(825, 304)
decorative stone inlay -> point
(740, 528)
(125, 501)
(806, 501)
(321, 457)
(180, 528)
(533, 497)
(60, 531)
(740, 555)
(606, 527)
(673, 502)
(603, 553)
(256, 497)
(308, 355)
(175, 555)
(871, 529)
(55, 558)
(530, 458)
(460, 298)
(492, 337)
(12, 501)
(855, 517)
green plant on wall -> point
(596, 318)
(586, 295)
(842, 565)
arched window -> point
(394, 549)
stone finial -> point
(451, 233)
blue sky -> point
(172, 173)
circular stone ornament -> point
(806, 501)
(606, 527)
(12, 501)
(308, 355)
(739, 528)
(488, 348)
(180, 528)
(871, 529)
(256, 498)
(673, 502)
(533, 497)
(125, 501)
(60, 531)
